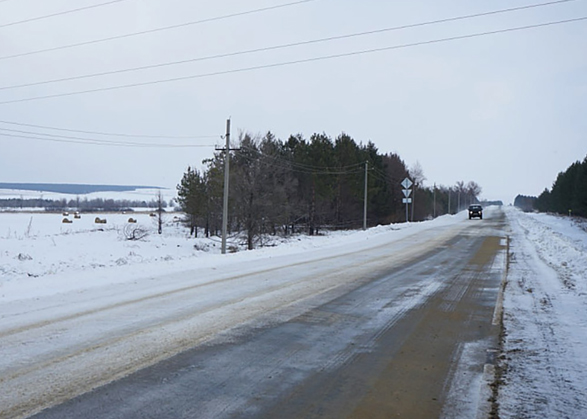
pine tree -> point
(191, 194)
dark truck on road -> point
(475, 211)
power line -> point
(284, 46)
(164, 28)
(305, 168)
(302, 61)
(287, 165)
(111, 134)
(90, 141)
(65, 12)
(380, 172)
(376, 175)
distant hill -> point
(74, 189)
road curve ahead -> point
(403, 329)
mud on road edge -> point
(500, 365)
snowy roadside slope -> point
(40, 256)
(39, 245)
(545, 319)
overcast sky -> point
(508, 111)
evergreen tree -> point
(543, 203)
(579, 198)
(568, 193)
(280, 187)
(191, 193)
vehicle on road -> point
(475, 211)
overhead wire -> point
(283, 46)
(90, 141)
(301, 164)
(65, 12)
(381, 175)
(160, 29)
(317, 171)
(101, 143)
(379, 172)
(285, 165)
(110, 134)
(303, 168)
(301, 61)
(378, 176)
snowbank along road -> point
(383, 328)
(545, 345)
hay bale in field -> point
(99, 220)
(66, 221)
(132, 220)
(77, 215)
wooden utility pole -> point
(434, 205)
(413, 199)
(365, 204)
(226, 179)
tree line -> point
(84, 205)
(525, 203)
(568, 194)
(308, 185)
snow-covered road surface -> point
(384, 327)
(57, 345)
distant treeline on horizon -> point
(83, 205)
(568, 194)
(73, 189)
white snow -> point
(39, 255)
(146, 194)
(545, 317)
(62, 273)
(83, 318)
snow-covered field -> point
(135, 195)
(39, 249)
(40, 255)
(545, 317)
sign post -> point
(407, 183)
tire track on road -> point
(126, 303)
(68, 364)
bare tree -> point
(461, 189)
(250, 188)
(473, 191)
(418, 177)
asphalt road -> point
(408, 337)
